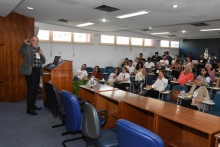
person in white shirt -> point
(130, 67)
(164, 61)
(81, 74)
(123, 80)
(136, 62)
(149, 65)
(113, 77)
(160, 85)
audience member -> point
(211, 72)
(149, 65)
(125, 62)
(112, 77)
(141, 57)
(218, 67)
(174, 60)
(156, 57)
(212, 59)
(159, 85)
(190, 55)
(164, 61)
(189, 62)
(204, 73)
(201, 63)
(140, 73)
(168, 57)
(130, 67)
(176, 67)
(197, 93)
(136, 62)
(186, 75)
(97, 73)
(123, 80)
(81, 74)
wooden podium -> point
(61, 76)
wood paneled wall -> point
(13, 30)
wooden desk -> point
(88, 93)
(109, 100)
(143, 111)
(184, 127)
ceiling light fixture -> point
(30, 8)
(161, 33)
(206, 30)
(103, 20)
(175, 6)
(183, 31)
(150, 28)
(85, 24)
(133, 14)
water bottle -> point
(59, 54)
(92, 80)
(183, 92)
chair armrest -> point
(82, 102)
(105, 113)
(208, 102)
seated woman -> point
(189, 62)
(113, 77)
(123, 80)
(159, 85)
(125, 62)
(176, 67)
(205, 74)
(96, 75)
(140, 73)
(197, 93)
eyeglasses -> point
(203, 70)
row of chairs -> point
(88, 123)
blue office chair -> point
(92, 131)
(54, 101)
(119, 69)
(216, 108)
(89, 69)
(110, 71)
(104, 73)
(133, 135)
(73, 115)
(108, 67)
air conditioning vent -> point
(106, 8)
(64, 20)
(201, 24)
(171, 35)
(145, 30)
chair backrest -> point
(110, 71)
(119, 69)
(72, 111)
(91, 125)
(216, 107)
(176, 91)
(108, 67)
(89, 69)
(133, 135)
(168, 87)
(54, 99)
(103, 70)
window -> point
(149, 42)
(137, 41)
(107, 39)
(44, 35)
(164, 43)
(62, 36)
(122, 40)
(174, 44)
(82, 37)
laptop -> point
(56, 60)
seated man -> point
(164, 61)
(130, 67)
(186, 75)
(81, 74)
(149, 65)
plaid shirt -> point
(37, 62)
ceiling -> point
(163, 17)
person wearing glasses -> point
(205, 74)
(196, 95)
(97, 73)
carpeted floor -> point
(19, 129)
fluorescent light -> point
(150, 28)
(30, 8)
(85, 24)
(175, 6)
(183, 31)
(210, 30)
(133, 14)
(103, 20)
(161, 33)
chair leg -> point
(59, 125)
(68, 140)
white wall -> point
(94, 54)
